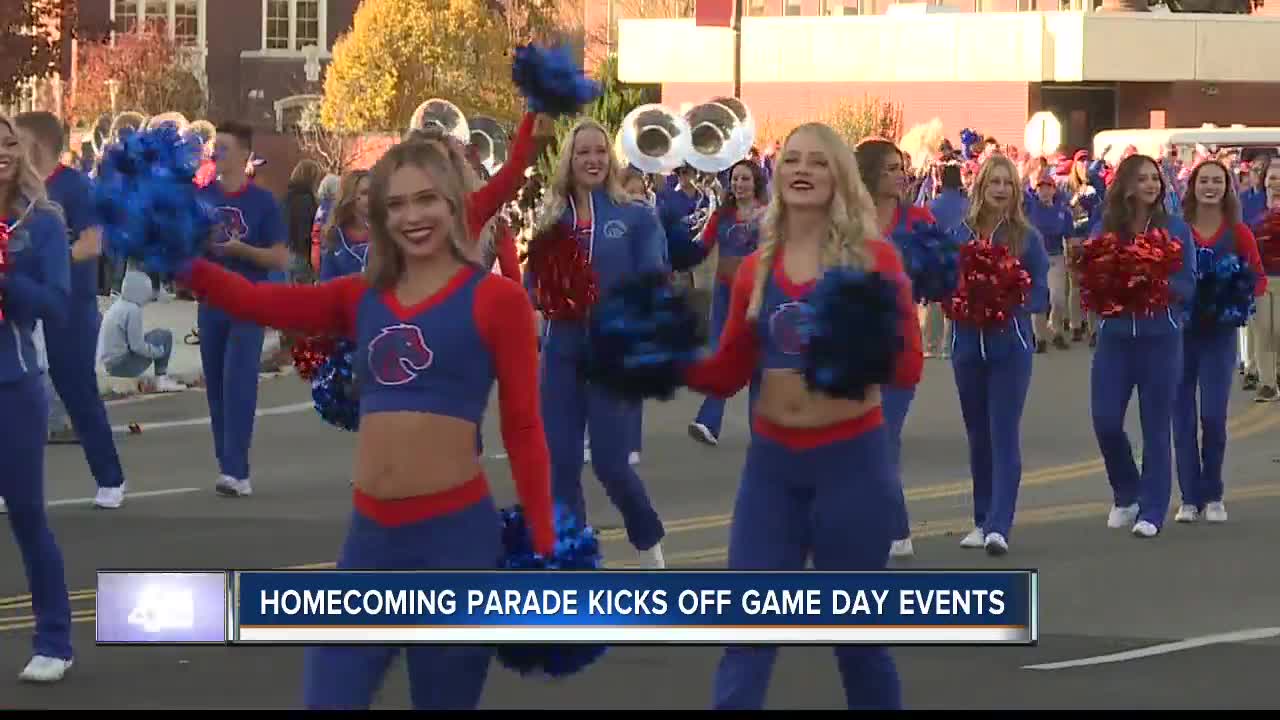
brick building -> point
(986, 64)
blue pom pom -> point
(335, 390)
(853, 333)
(1224, 289)
(642, 336)
(551, 80)
(968, 137)
(931, 257)
(577, 548)
(147, 199)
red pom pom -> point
(565, 285)
(310, 353)
(993, 284)
(1119, 278)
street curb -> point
(111, 389)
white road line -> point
(127, 496)
(195, 422)
(1221, 639)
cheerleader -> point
(1209, 350)
(818, 477)
(883, 168)
(992, 366)
(346, 233)
(433, 331)
(35, 285)
(617, 238)
(1142, 352)
(734, 228)
(1262, 327)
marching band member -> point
(35, 285)
(883, 168)
(618, 238)
(72, 346)
(1262, 328)
(818, 476)
(434, 332)
(735, 229)
(251, 240)
(1212, 207)
(345, 248)
(1050, 215)
(1142, 352)
(993, 365)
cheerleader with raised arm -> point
(735, 229)
(1210, 343)
(589, 237)
(992, 359)
(1139, 342)
(433, 332)
(818, 479)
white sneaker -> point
(633, 458)
(702, 434)
(901, 548)
(996, 544)
(1215, 512)
(1122, 516)
(652, 559)
(3, 508)
(231, 487)
(975, 539)
(44, 669)
(164, 383)
(1145, 529)
(109, 498)
(586, 455)
(1187, 514)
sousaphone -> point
(720, 136)
(444, 115)
(654, 139)
(490, 141)
(124, 123)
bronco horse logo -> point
(398, 354)
(231, 220)
(790, 327)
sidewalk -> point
(179, 318)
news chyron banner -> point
(606, 607)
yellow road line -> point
(1027, 518)
(1245, 425)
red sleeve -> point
(508, 263)
(506, 321)
(730, 368)
(325, 309)
(1248, 247)
(503, 187)
(910, 366)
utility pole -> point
(737, 49)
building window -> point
(851, 7)
(124, 15)
(755, 8)
(791, 8)
(291, 25)
(182, 20)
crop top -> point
(439, 356)
(736, 239)
(776, 339)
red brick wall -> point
(995, 109)
(1187, 105)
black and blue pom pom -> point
(854, 333)
(931, 257)
(577, 548)
(1224, 289)
(147, 199)
(642, 336)
(335, 391)
(551, 80)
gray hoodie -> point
(121, 334)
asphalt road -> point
(1102, 591)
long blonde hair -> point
(852, 217)
(386, 262)
(28, 190)
(344, 206)
(559, 190)
(1015, 217)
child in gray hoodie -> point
(123, 349)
